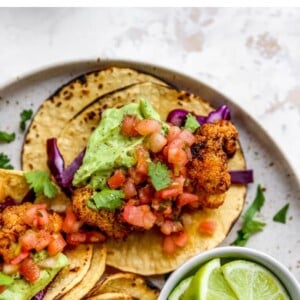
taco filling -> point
(150, 177)
(31, 248)
(140, 173)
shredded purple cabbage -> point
(178, 116)
(241, 176)
(221, 113)
(40, 295)
(8, 202)
(69, 172)
(55, 160)
(63, 176)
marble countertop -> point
(249, 54)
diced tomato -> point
(116, 180)
(180, 238)
(146, 194)
(29, 270)
(166, 227)
(188, 153)
(94, 237)
(207, 227)
(36, 216)
(169, 227)
(2, 288)
(142, 156)
(76, 238)
(173, 133)
(174, 240)
(43, 240)
(186, 198)
(71, 223)
(177, 156)
(165, 151)
(28, 240)
(56, 245)
(35, 240)
(136, 176)
(19, 258)
(128, 125)
(169, 193)
(140, 216)
(155, 142)
(168, 246)
(186, 136)
(129, 189)
(148, 126)
(178, 183)
(176, 144)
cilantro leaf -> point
(191, 123)
(25, 115)
(256, 204)
(251, 226)
(280, 216)
(107, 199)
(40, 182)
(7, 137)
(4, 162)
(160, 175)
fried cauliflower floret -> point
(12, 226)
(107, 221)
(223, 132)
(215, 143)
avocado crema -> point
(20, 289)
(108, 149)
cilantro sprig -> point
(40, 182)
(191, 123)
(5, 162)
(251, 226)
(160, 175)
(25, 115)
(280, 216)
(107, 199)
(7, 137)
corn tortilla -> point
(142, 253)
(68, 100)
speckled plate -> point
(271, 169)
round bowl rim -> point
(275, 266)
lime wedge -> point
(251, 281)
(209, 284)
(180, 289)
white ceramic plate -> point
(271, 169)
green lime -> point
(251, 281)
(180, 288)
(209, 284)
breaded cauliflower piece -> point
(215, 143)
(12, 226)
(107, 221)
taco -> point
(68, 101)
(33, 252)
(140, 216)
